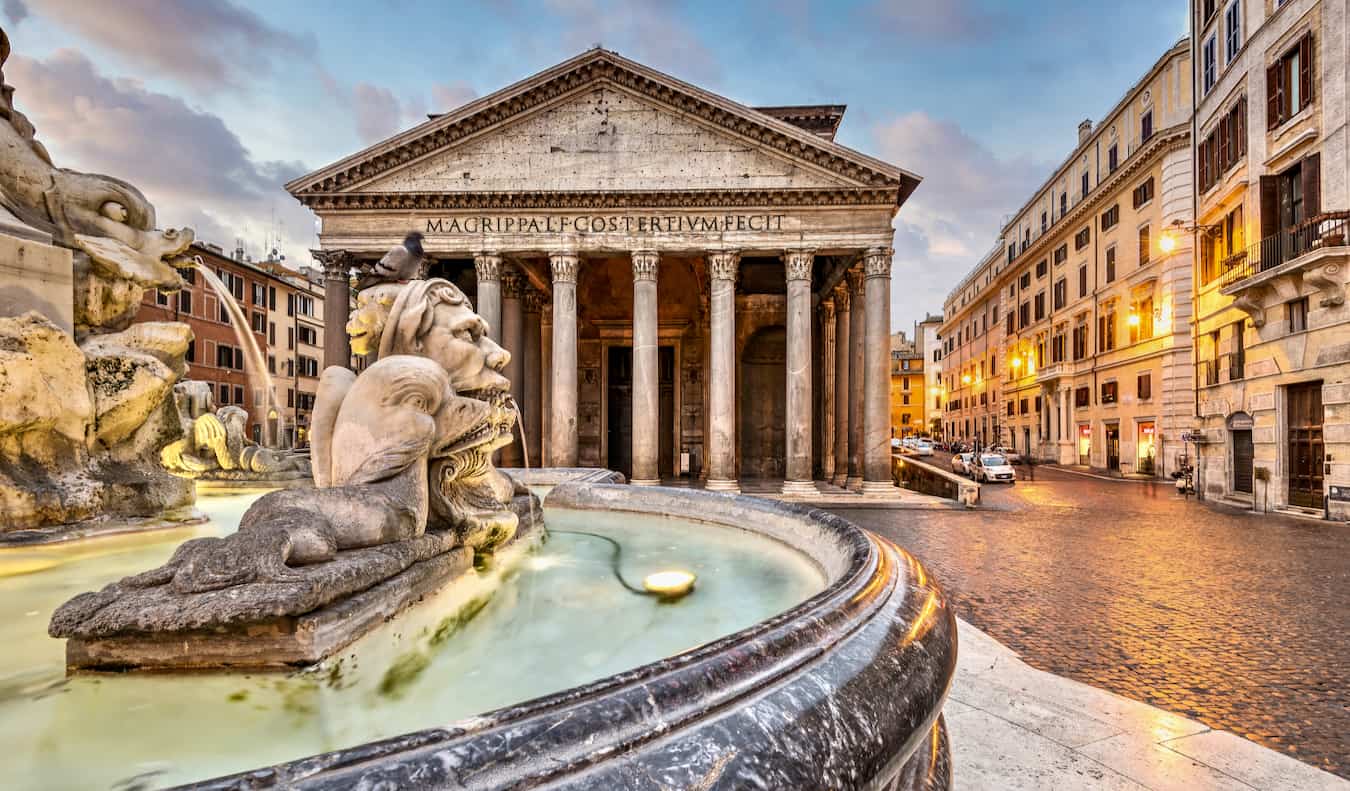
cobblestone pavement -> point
(1239, 620)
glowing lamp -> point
(1168, 242)
(1133, 320)
(965, 380)
(669, 584)
(1017, 362)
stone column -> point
(722, 266)
(545, 380)
(513, 339)
(646, 392)
(798, 264)
(488, 267)
(337, 295)
(857, 315)
(843, 358)
(827, 373)
(877, 373)
(532, 387)
(563, 415)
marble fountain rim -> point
(869, 577)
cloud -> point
(379, 113)
(934, 20)
(449, 96)
(207, 44)
(15, 11)
(645, 30)
(187, 161)
(953, 219)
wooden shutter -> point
(1305, 72)
(1201, 165)
(1270, 206)
(1242, 126)
(1223, 147)
(1274, 96)
(1312, 185)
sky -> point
(209, 106)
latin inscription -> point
(608, 223)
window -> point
(192, 351)
(259, 295)
(161, 298)
(1109, 391)
(1210, 7)
(1082, 238)
(1209, 56)
(308, 366)
(1289, 85)
(1146, 126)
(259, 321)
(1063, 203)
(1023, 315)
(224, 311)
(1061, 254)
(1142, 327)
(290, 304)
(1040, 305)
(310, 336)
(1057, 345)
(271, 363)
(238, 394)
(1085, 184)
(1010, 329)
(290, 397)
(304, 304)
(1106, 330)
(1112, 158)
(1224, 146)
(1082, 280)
(1232, 30)
(1218, 248)
(224, 394)
(1144, 386)
(1061, 293)
(1082, 397)
(1022, 406)
(1237, 363)
(904, 399)
(1042, 268)
(224, 356)
(1025, 281)
(1110, 264)
(1143, 193)
(1143, 245)
(1011, 408)
(185, 302)
(271, 297)
(1012, 252)
(1297, 314)
(271, 333)
(1080, 341)
(290, 337)
(1110, 217)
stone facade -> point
(1272, 324)
(1071, 340)
(686, 247)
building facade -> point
(1073, 341)
(908, 400)
(1272, 327)
(926, 335)
(689, 287)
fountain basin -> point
(844, 690)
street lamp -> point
(1016, 362)
(965, 379)
(1132, 319)
(1169, 239)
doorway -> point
(1113, 447)
(619, 417)
(1146, 448)
(1242, 460)
(763, 404)
(1306, 449)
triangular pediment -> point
(597, 123)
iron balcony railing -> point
(1324, 230)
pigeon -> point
(401, 263)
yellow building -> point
(907, 393)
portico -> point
(663, 261)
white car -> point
(993, 468)
(923, 448)
(961, 463)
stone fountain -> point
(85, 395)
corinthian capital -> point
(841, 296)
(644, 264)
(337, 264)
(855, 282)
(877, 262)
(798, 263)
(488, 267)
(564, 266)
(513, 283)
(724, 265)
(827, 309)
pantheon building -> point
(690, 288)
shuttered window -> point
(1289, 83)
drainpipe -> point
(1196, 236)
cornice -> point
(598, 199)
(584, 72)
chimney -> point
(1084, 131)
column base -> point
(840, 480)
(645, 481)
(726, 485)
(854, 482)
(879, 487)
(800, 487)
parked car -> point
(896, 443)
(1012, 456)
(992, 468)
(923, 447)
(961, 463)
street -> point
(1238, 620)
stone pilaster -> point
(646, 393)
(857, 317)
(798, 265)
(723, 267)
(488, 267)
(563, 393)
(337, 294)
(877, 373)
(533, 385)
(827, 373)
(843, 357)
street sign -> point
(1194, 436)
(1340, 494)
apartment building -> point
(1072, 342)
(929, 343)
(1272, 327)
(907, 387)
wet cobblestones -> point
(1239, 620)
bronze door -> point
(619, 438)
(1305, 445)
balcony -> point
(1274, 270)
